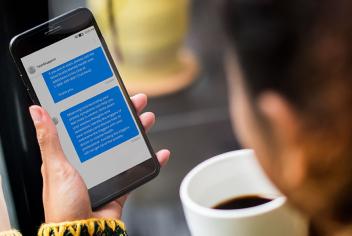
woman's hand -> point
(65, 195)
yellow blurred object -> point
(146, 38)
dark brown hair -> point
(302, 49)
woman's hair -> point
(302, 49)
(295, 47)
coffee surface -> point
(242, 202)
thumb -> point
(47, 136)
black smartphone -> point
(67, 69)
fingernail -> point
(36, 114)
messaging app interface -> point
(75, 83)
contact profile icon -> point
(55, 120)
(31, 70)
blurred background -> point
(170, 49)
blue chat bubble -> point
(99, 124)
(77, 74)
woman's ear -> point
(280, 115)
(285, 126)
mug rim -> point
(216, 213)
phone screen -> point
(75, 83)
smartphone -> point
(67, 69)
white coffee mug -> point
(236, 174)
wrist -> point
(66, 210)
(59, 219)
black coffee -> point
(242, 202)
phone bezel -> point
(53, 31)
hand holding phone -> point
(67, 69)
(65, 195)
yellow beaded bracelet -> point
(91, 227)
